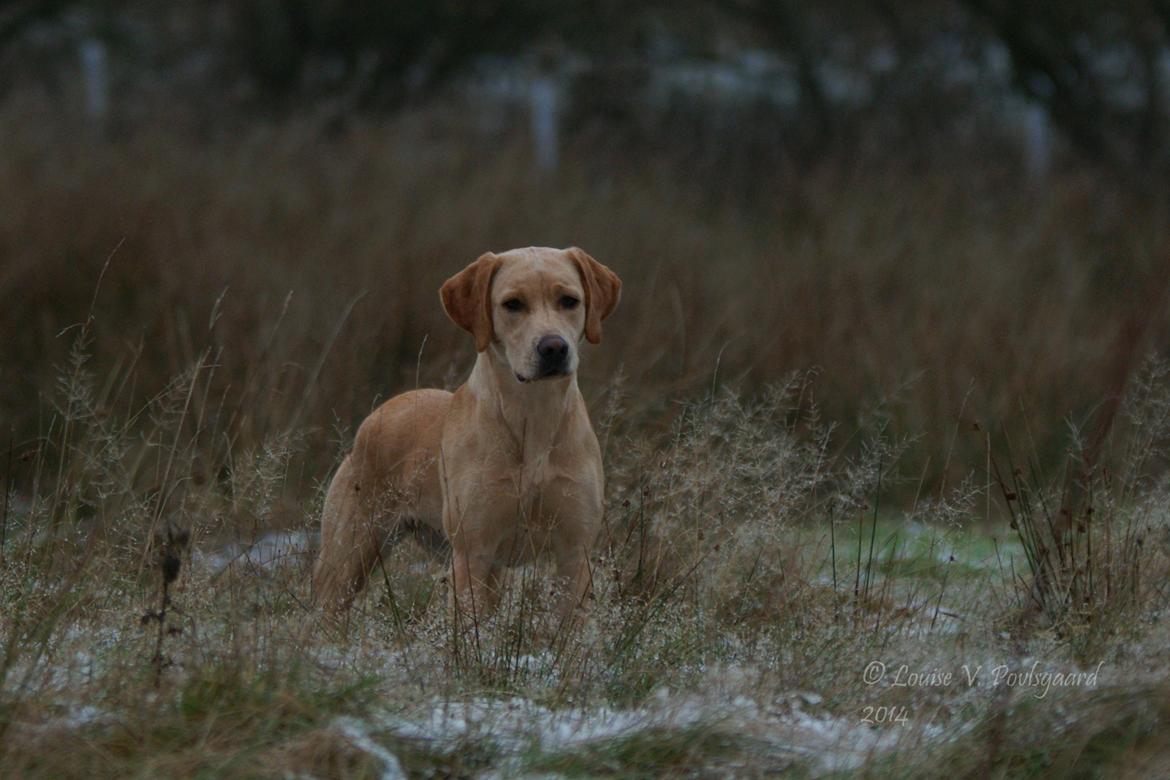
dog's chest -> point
(536, 484)
(546, 490)
(534, 462)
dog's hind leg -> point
(351, 538)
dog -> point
(504, 469)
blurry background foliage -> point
(956, 210)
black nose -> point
(553, 351)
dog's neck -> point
(534, 413)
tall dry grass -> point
(959, 292)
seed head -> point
(171, 563)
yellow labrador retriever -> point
(504, 468)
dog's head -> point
(533, 305)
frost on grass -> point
(750, 570)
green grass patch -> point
(653, 752)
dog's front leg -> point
(576, 582)
(475, 586)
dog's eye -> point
(569, 302)
(514, 304)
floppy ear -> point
(603, 290)
(467, 299)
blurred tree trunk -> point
(1054, 49)
(1050, 69)
(787, 28)
(15, 19)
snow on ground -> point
(790, 725)
(798, 726)
(270, 551)
(357, 732)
